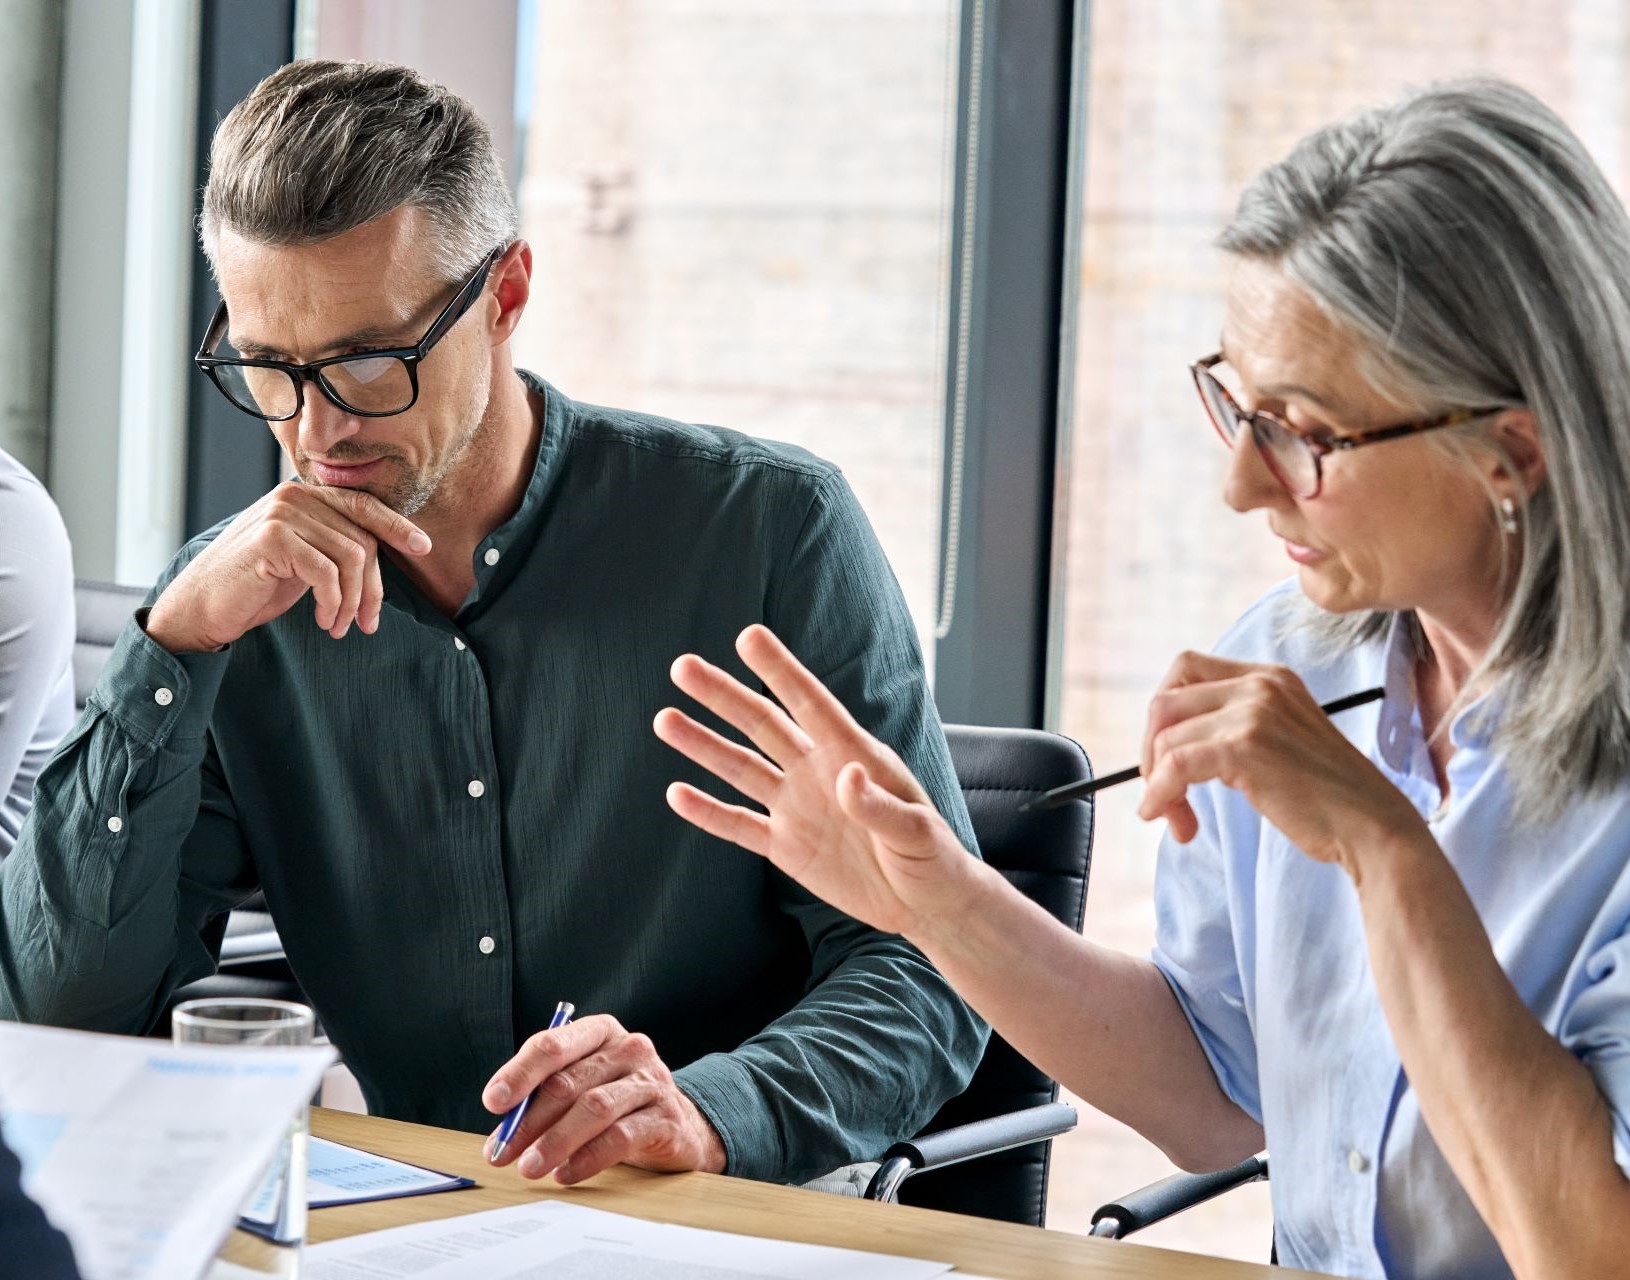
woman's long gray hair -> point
(1469, 242)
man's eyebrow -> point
(371, 336)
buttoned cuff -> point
(155, 695)
(723, 1090)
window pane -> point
(739, 215)
(1188, 100)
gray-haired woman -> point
(1394, 946)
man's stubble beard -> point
(412, 492)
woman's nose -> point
(1248, 483)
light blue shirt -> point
(1265, 949)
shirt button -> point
(478, 788)
(116, 824)
(492, 555)
(458, 644)
(487, 946)
(163, 697)
(1357, 1161)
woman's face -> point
(1403, 524)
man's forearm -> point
(863, 1060)
(88, 899)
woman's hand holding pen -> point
(1257, 729)
(842, 815)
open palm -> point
(842, 815)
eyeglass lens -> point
(1287, 455)
(369, 384)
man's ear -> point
(512, 286)
(1517, 434)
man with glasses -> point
(446, 787)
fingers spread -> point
(769, 728)
(747, 771)
(809, 701)
(726, 821)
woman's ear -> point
(1517, 434)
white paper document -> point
(142, 1152)
(551, 1240)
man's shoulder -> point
(731, 456)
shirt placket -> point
(486, 938)
(1374, 1080)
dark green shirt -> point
(459, 821)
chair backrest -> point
(101, 610)
(1046, 854)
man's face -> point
(373, 287)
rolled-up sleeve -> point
(1196, 949)
(1596, 1029)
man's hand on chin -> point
(601, 1096)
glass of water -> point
(271, 1230)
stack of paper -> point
(554, 1239)
(141, 1152)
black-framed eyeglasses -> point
(1296, 457)
(370, 384)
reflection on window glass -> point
(1188, 99)
(738, 212)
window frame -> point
(1015, 245)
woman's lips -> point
(1302, 555)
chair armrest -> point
(1159, 1200)
(251, 938)
(967, 1142)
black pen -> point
(1078, 790)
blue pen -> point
(512, 1121)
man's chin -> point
(377, 479)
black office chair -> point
(252, 960)
(1009, 1110)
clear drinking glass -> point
(271, 1231)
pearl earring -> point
(1508, 516)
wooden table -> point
(752, 1208)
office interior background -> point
(961, 247)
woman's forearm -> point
(1517, 1116)
(1104, 1024)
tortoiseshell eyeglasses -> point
(1296, 457)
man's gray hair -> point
(1469, 242)
(320, 147)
